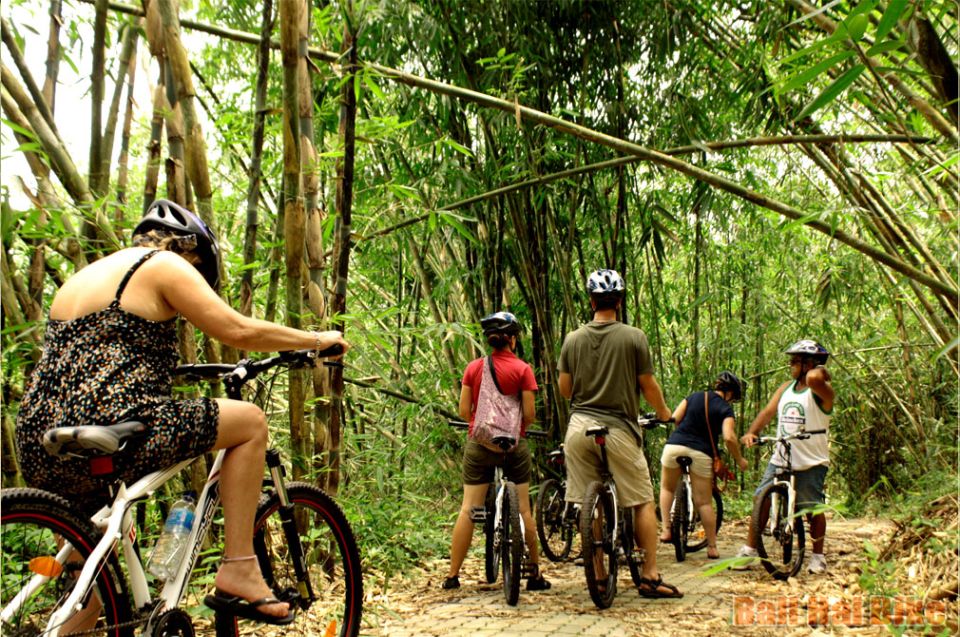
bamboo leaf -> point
(891, 16)
(884, 47)
(949, 347)
(804, 77)
(831, 92)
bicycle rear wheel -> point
(597, 543)
(332, 593)
(38, 528)
(556, 537)
(780, 548)
(491, 550)
(511, 544)
(697, 536)
(679, 521)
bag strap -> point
(493, 373)
(706, 410)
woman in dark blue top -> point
(691, 438)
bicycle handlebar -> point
(650, 421)
(800, 435)
(247, 369)
(530, 433)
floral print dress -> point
(104, 368)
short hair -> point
(607, 301)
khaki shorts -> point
(479, 463)
(624, 458)
(702, 464)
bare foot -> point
(243, 579)
(666, 539)
(713, 553)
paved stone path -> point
(477, 609)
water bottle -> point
(168, 553)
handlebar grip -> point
(537, 433)
(333, 350)
(459, 424)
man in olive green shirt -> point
(604, 366)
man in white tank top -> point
(806, 403)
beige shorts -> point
(624, 458)
(702, 464)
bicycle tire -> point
(491, 549)
(556, 536)
(598, 544)
(679, 522)
(697, 529)
(335, 592)
(630, 553)
(781, 552)
(35, 523)
(511, 545)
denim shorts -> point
(809, 484)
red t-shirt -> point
(513, 375)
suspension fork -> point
(289, 524)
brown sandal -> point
(653, 591)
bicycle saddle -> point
(684, 461)
(504, 442)
(91, 440)
(597, 431)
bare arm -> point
(529, 407)
(730, 440)
(184, 289)
(818, 380)
(680, 411)
(466, 402)
(763, 418)
(654, 395)
(566, 385)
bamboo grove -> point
(758, 171)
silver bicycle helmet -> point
(605, 282)
(807, 347)
(500, 322)
(166, 215)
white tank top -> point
(798, 410)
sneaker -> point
(744, 564)
(451, 583)
(538, 583)
(817, 564)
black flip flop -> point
(239, 607)
(654, 591)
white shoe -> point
(817, 564)
(744, 564)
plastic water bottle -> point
(168, 552)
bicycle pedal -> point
(478, 514)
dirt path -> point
(477, 609)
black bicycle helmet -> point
(605, 282)
(166, 215)
(811, 349)
(728, 381)
(500, 322)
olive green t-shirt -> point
(604, 360)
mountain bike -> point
(775, 523)
(606, 532)
(556, 518)
(504, 546)
(56, 560)
(686, 531)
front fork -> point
(291, 535)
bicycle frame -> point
(117, 526)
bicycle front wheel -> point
(511, 544)
(780, 545)
(598, 544)
(331, 593)
(556, 537)
(38, 531)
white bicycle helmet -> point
(605, 282)
(502, 322)
(807, 347)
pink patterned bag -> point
(497, 415)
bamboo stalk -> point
(53, 55)
(128, 52)
(17, 56)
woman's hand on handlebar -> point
(331, 338)
(748, 440)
